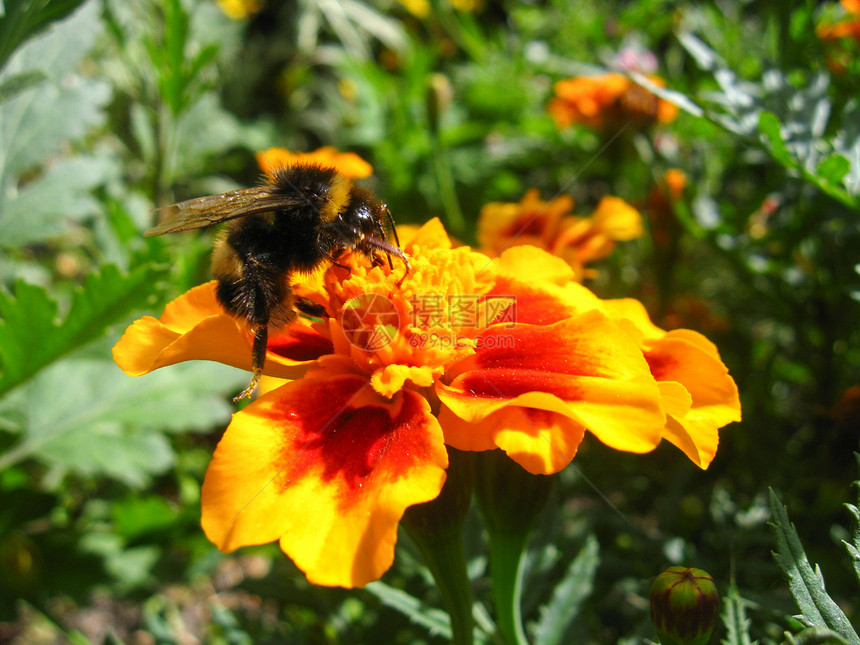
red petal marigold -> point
(612, 98)
(327, 463)
(551, 226)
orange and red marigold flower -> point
(841, 39)
(610, 99)
(465, 351)
(551, 226)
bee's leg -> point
(258, 359)
(310, 308)
(333, 258)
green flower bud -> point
(684, 606)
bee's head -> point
(361, 219)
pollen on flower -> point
(408, 328)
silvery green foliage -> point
(558, 617)
(55, 108)
(790, 121)
(806, 583)
(735, 619)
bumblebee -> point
(302, 217)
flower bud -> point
(684, 606)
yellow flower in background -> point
(610, 99)
(238, 9)
(421, 8)
(348, 164)
(552, 226)
(462, 350)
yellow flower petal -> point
(328, 468)
(196, 327)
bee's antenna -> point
(389, 223)
(390, 220)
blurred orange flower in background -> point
(552, 226)
(348, 164)
(842, 39)
(610, 99)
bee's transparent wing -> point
(206, 211)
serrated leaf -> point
(805, 583)
(86, 416)
(31, 337)
(853, 547)
(559, 614)
(735, 619)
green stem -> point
(446, 559)
(437, 530)
(447, 191)
(506, 558)
(510, 500)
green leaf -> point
(558, 616)
(23, 19)
(854, 546)
(834, 168)
(87, 417)
(806, 583)
(134, 517)
(205, 130)
(735, 619)
(770, 127)
(130, 567)
(790, 121)
(16, 84)
(45, 206)
(435, 621)
(847, 143)
(31, 337)
(815, 636)
(35, 122)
